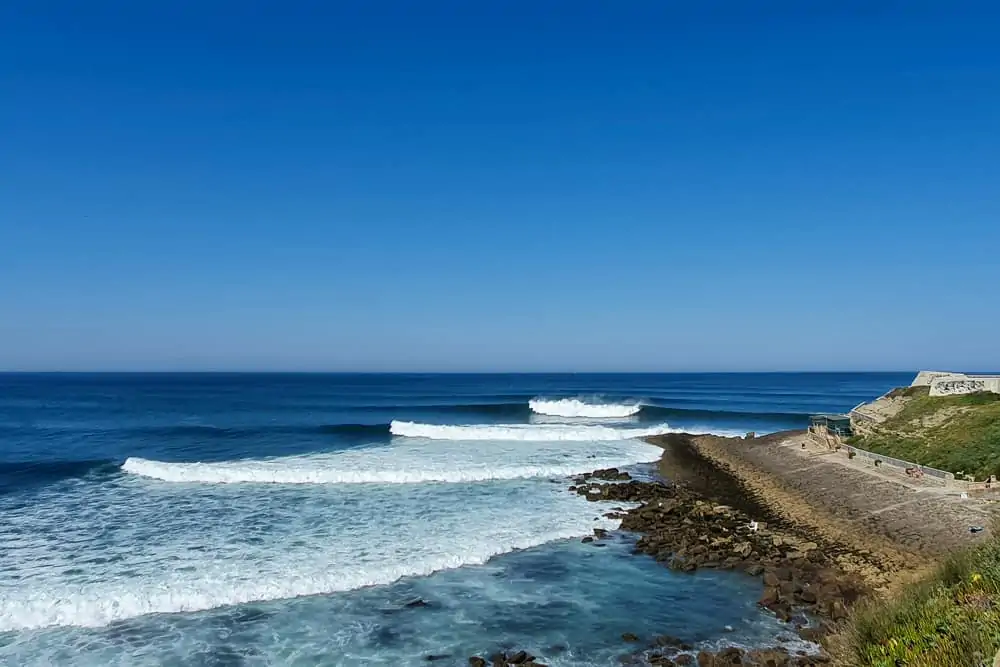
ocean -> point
(334, 519)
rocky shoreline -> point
(706, 518)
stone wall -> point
(925, 378)
(942, 383)
(954, 385)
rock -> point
(432, 657)
(587, 539)
(807, 596)
(600, 533)
(811, 634)
(520, 658)
(412, 604)
(771, 579)
(476, 661)
(782, 612)
(770, 657)
(666, 640)
(629, 637)
(755, 570)
(729, 656)
(683, 659)
(770, 597)
(706, 659)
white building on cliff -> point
(944, 383)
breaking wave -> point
(574, 407)
(410, 461)
(525, 432)
(220, 548)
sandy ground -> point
(898, 525)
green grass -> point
(952, 619)
(960, 434)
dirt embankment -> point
(893, 526)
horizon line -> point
(462, 372)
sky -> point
(491, 186)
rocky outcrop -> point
(522, 658)
(606, 474)
(685, 532)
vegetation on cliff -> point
(960, 434)
(952, 618)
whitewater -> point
(414, 461)
(526, 432)
(408, 508)
(577, 408)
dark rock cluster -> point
(606, 474)
(685, 532)
(504, 659)
(804, 583)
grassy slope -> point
(960, 434)
(950, 620)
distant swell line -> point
(19, 474)
(222, 432)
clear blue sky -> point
(456, 185)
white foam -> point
(108, 552)
(524, 432)
(412, 461)
(381, 467)
(574, 407)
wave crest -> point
(525, 432)
(278, 472)
(574, 407)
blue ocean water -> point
(243, 519)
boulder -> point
(811, 634)
(770, 597)
(770, 657)
(666, 640)
(807, 596)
